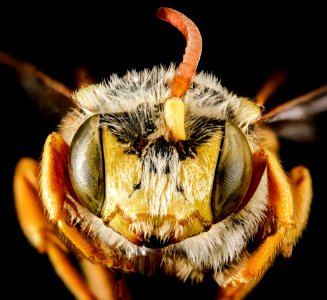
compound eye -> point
(233, 173)
(86, 166)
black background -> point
(242, 45)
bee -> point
(163, 169)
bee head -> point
(161, 155)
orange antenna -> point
(174, 107)
(187, 67)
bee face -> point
(153, 190)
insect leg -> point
(39, 231)
(102, 279)
(302, 197)
(269, 87)
(248, 273)
(52, 97)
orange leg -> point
(101, 280)
(302, 194)
(42, 235)
(290, 216)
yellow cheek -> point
(197, 176)
(122, 172)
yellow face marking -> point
(172, 206)
(197, 176)
(122, 173)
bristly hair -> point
(206, 98)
